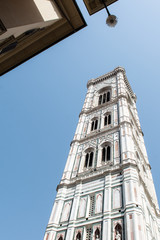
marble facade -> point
(106, 191)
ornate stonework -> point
(107, 191)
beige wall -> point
(15, 13)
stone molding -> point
(111, 74)
(110, 103)
(96, 174)
(97, 133)
(102, 172)
(100, 132)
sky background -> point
(42, 98)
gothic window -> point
(107, 120)
(97, 234)
(66, 211)
(92, 204)
(60, 238)
(82, 207)
(104, 97)
(88, 159)
(98, 203)
(106, 153)
(79, 237)
(118, 232)
(117, 202)
(94, 124)
(100, 100)
(108, 96)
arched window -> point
(104, 97)
(78, 237)
(108, 96)
(107, 120)
(94, 124)
(60, 238)
(106, 153)
(118, 231)
(100, 100)
(97, 234)
(88, 159)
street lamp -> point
(94, 6)
(111, 20)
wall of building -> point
(19, 13)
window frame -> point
(77, 237)
(104, 96)
(94, 124)
(106, 157)
(89, 158)
(107, 121)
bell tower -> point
(106, 191)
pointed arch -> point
(98, 207)
(66, 211)
(94, 124)
(78, 236)
(91, 159)
(108, 96)
(106, 153)
(60, 238)
(118, 231)
(117, 197)
(89, 154)
(82, 207)
(107, 119)
(86, 160)
(103, 154)
(97, 234)
(104, 95)
(100, 100)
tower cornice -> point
(111, 74)
(96, 174)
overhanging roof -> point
(15, 50)
(94, 6)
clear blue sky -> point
(41, 101)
